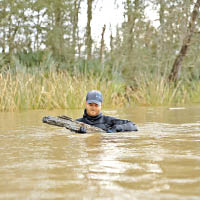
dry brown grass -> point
(52, 90)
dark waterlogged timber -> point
(69, 123)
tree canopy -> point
(31, 29)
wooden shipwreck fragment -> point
(69, 123)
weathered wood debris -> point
(69, 123)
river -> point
(159, 162)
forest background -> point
(47, 61)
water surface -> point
(161, 161)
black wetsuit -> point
(108, 123)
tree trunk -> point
(132, 8)
(131, 23)
(102, 48)
(59, 31)
(111, 42)
(88, 30)
(161, 13)
(75, 26)
(176, 69)
(3, 43)
(69, 123)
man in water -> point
(93, 116)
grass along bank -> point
(53, 90)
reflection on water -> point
(161, 161)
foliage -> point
(41, 44)
(41, 90)
(52, 89)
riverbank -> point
(60, 90)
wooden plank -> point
(69, 123)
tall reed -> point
(157, 90)
(52, 90)
(60, 90)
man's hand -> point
(117, 128)
(81, 130)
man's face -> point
(93, 109)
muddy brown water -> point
(161, 161)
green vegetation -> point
(47, 61)
(41, 90)
(49, 88)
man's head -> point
(93, 102)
